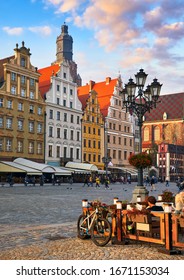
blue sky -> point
(110, 37)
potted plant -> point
(140, 160)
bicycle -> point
(94, 225)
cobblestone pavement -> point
(40, 223)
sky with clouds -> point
(110, 37)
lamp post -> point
(106, 161)
(139, 103)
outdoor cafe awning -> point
(82, 166)
(13, 167)
(42, 168)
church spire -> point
(64, 45)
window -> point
(108, 138)
(31, 109)
(1, 121)
(114, 139)
(119, 127)
(77, 153)
(99, 158)
(58, 151)
(1, 144)
(8, 145)
(84, 142)
(32, 82)
(119, 140)
(50, 114)
(156, 133)
(9, 104)
(20, 106)
(78, 136)
(89, 130)
(20, 124)
(50, 131)
(23, 62)
(84, 129)
(99, 145)
(98, 131)
(71, 118)
(114, 153)
(23, 92)
(114, 126)
(31, 148)
(65, 117)
(119, 155)
(23, 80)
(1, 102)
(130, 142)
(71, 135)
(39, 148)
(58, 87)
(9, 123)
(58, 132)
(31, 95)
(58, 101)
(39, 128)
(84, 157)
(13, 90)
(94, 158)
(78, 119)
(31, 126)
(13, 76)
(71, 91)
(125, 155)
(89, 143)
(50, 151)
(71, 104)
(71, 153)
(64, 89)
(65, 152)
(89, 157)
(94, 131)
(64, 103)
(125, 141)
(146, 134)
(65, 133)
(94, 144)
(39, 110)
(19, 146)
(64, 75)
(58, 116)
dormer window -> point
(23, 62)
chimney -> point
(108, 79)
(91, 85)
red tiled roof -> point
(44, 80)
(172, 104)
(103, 89)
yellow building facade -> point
(92, 131)
(22, 110)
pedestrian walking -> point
(167, 182)
(86, 182)
(152, 182)
(106, 183)
(91, 181)
(97, 180)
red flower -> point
(140, 160)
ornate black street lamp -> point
(139, 103)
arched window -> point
(156, 133)
(146, 134)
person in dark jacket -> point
(152, 204)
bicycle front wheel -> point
(101, 232)
(82, 227)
